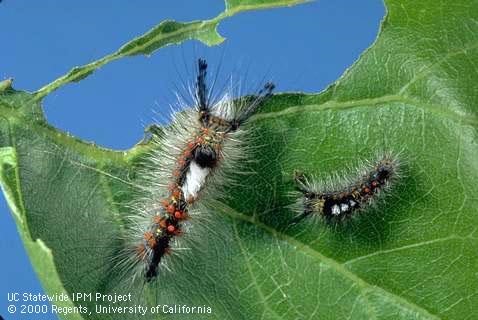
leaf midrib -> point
(380, 101)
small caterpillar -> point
(337, 201)
(191, 153)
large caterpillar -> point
(336, 201)
(192, 153)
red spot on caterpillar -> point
(180, 215)
(171, 229)
(366, 190)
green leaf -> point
(39, 254)
(415, 256)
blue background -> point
(302, 48)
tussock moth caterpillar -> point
(191, 158)
(339, 199)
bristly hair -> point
(192, 159)
(202, 97)
(338, 199)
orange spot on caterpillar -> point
(177, 193)
(162, 223)
(181, 162)
(180, 215)
(165, 203)
(150, 239)
(188, 153)
(157, 219)
(171, 208)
